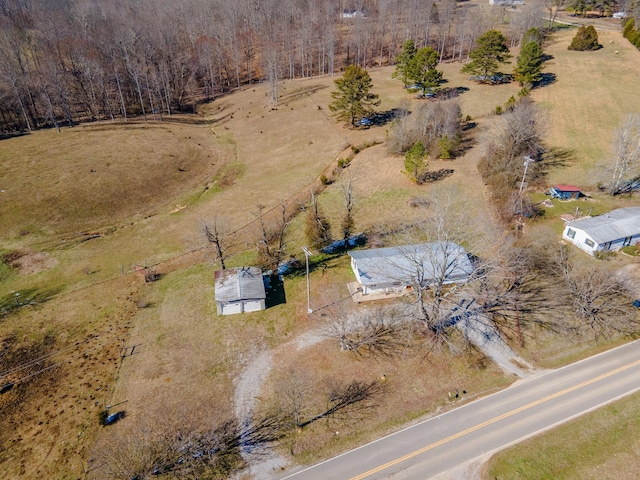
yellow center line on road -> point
(493, 420)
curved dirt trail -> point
(248, 387)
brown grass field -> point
(82, 206)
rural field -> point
(86, 209)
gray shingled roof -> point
(617, 224)
(393, 265)
(236, 284)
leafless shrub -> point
(433, 124)
(419, 202)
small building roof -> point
(619, 223)
(396, 265)
(563, 187)
(237, 284)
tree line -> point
(74, 60)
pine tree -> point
(422, 69)
(529, 64)
(586, 39)
(414, 163)
(492, 50)
(532, 35)
(352, 101)
(403, 60)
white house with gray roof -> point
(239, 290)
(394, 269)
(608, 232)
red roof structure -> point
(566, 188)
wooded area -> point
(74, 60)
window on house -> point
(606, 246)
(571, 233)
(627, 241)
(589, 242)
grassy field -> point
(81, 207)
(592, 93)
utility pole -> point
(520, 205)
(527, 161)
(307, 253)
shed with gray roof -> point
(393, 269)
(608, 232)
(239, 290)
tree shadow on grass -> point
(547, 79)
(382, 118)
(8, 135)
(29, 297)
(553, 159)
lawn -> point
(588, 100)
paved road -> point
(441, 443)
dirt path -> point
(248, 389)
(480, 330)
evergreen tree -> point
(586, 39)
(492, 50)
(629, 28)
(422, 69)
(532, 35)
(403, 60)
(414, 163)
(352, 101)
(529, 64)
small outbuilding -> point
(605, 233)
(239, 290)
(396, 269)
(565, 192)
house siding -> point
(581, 239)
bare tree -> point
(401, 136)
(553, 7)
(514, 135)
(598, 300)
(438, 269)
(270, 238)
(530, 15)
(519, 288)
(317, 227)
(379, 331)
(293, 391)
(215, 235)
(626, 150)
(349, 202)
